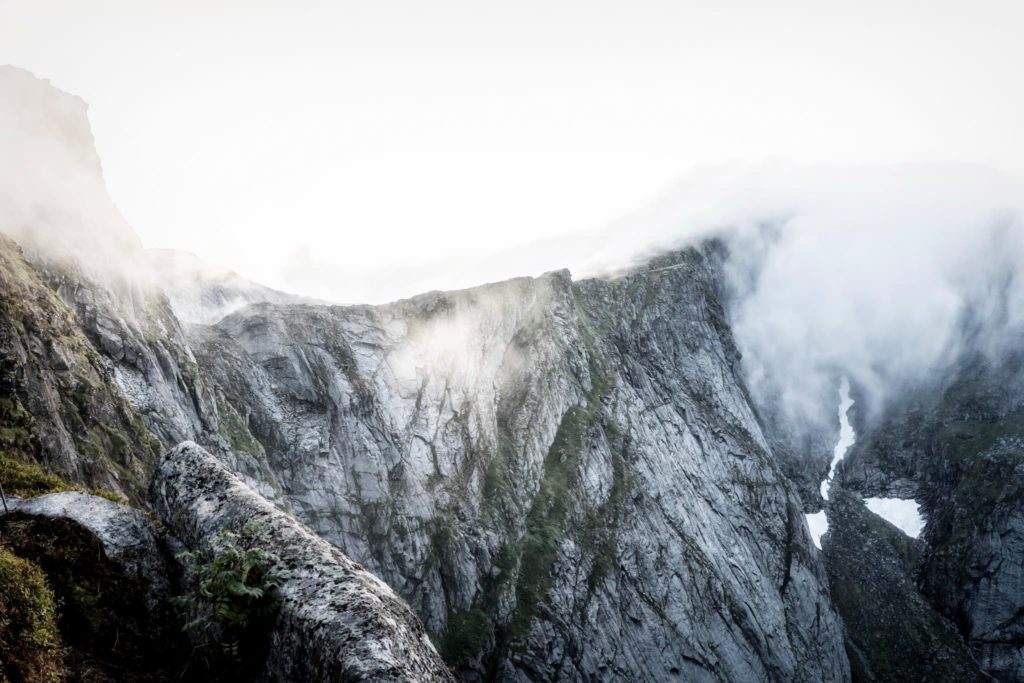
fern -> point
(235, 591)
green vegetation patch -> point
(101, 613)
(26, 479)
(17, 428)
(29, 643)
(548, 515)
(602, 530)
(233, 428)
(233, 600)
(467, 635)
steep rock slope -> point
(59, 405)
(893, 633)
(956, 444)
(96, 371)
(566, 480)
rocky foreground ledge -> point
(337, 621)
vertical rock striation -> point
(566, 480)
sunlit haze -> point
(366, 151)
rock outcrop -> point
(337, 621)
(893, 633)
(111, 580)
(128, 536)
(566, 480)
(956, 444)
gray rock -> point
(566, 480)
(956, 443)
(128, 536)
(337, 621)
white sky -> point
(362, 151)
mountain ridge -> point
(564, 479)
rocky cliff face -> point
(97, 372)
(893, 633)
(564, 479)
(60, 405)
(96, 377)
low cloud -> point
(52, 197)
(880, 274)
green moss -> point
(27, 479)
(496, 483)
(233, 428)
(119, 444)
(548, 515)
(602, 530)
(29, 643)
(105, 430)
(17, 428)
(109, 495)
(967, 439)
(467, 635)
(101, 615)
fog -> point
(53, 201)
(362, 152)
(879, 274)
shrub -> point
(235, 592)
(467, 635)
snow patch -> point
(846, 436)
(903, 514)
(818, 522)
(818, 525)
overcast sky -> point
(362, 151)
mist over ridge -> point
(604, 460)
(866, 272)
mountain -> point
(561, 477)
(202, 293)
(557, 479)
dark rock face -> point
(111, 576)
(337, 621)
(128, 537)
(893, 633)
(957, 445)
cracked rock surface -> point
(337, 621)
(566, 480)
